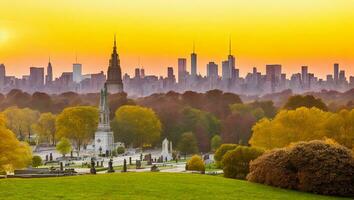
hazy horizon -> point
(154, 34)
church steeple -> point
(114, 75)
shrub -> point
(236, 162)
(196, 164)
(120, 150)
(321, 167)
(36, 161)
(220, 152)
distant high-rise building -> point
(36, 77)
(212, 70)
(273, 75)
(335, 73)
(342, 79)
(142, 72)
(170, 74)
(182, 70)
(137, 73)
(114, 74)
(225, 70)
(77, 72)
(2, 76)
(49, 76)
(231, 62)
(304, 75)
(194, 63)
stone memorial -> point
(92, 169)
(124, 166)
(166, 152)
(138, 164)
(104, 136)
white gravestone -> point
(166, 152)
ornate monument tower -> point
(114, 74)
(104, 136)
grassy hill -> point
(144, 186)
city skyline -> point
(315, 34)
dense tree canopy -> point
(13, 154)
(307, 101)
(77, 124)
(63, 146)
(136, 125)
(303, 124)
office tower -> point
(49, 76)
(235, 74)
(351, 81)
(273, 75)
(335, 73)
(194, 63)
(142, 72)
(2, 76)
(36, 77)
(231, 62)
(212, 70)
(304, 75)
(137, 73)
(170, 74)
(225, 70)
(114, 74)
(341, 78)
(77, 72)
(182, 70)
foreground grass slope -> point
(144, 186)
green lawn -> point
(144, 186)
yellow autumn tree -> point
(13, 153)
(302, 124)
(20, 120)
(77, 124)
(45, 128)
(136, 125)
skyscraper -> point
(336, 73)
(304, 76)
(77, 72)
(231, 62)
(273, 75)
(2, 76)
(182, 70)
(212, 70)
(194, 63)
(49, 76)
(225, 70)
(114, 73)
(36, 78)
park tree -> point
(136, 125)
(77, 124)
(20, 120)
(63, 146)
(45, 128)
(237, 128)
(41, 101)
(340, 127)
(187, 144)
(215, 142)
(307, 101)
(302, 124)
(13, 153)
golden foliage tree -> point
(77, 124)
(13, 153)
(303, 124)
(45, 128)
(136, 125)
(20, 120)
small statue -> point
(124, 166)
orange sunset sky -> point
(154, 33)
